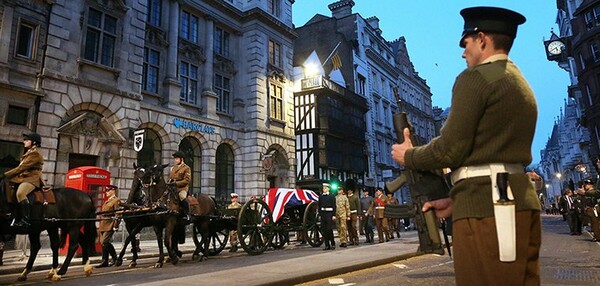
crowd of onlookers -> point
(580, 208)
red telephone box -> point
(91, 180)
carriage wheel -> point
(218, 239)
(280, 236)
(255, 223)
(312, 225)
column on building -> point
(172, 84)
(209, 97)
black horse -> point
(73, 210)
(163, 202)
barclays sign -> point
(193, 126)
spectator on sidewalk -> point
(233, 237)
(108, 225)
(589, 202)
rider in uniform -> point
(180, 176)
(28, 174)
(108, 225)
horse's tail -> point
(89, 231)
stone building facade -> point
(574, 145)
(375, 69)
(210, 78)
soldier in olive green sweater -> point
(492, 121)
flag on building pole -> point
(334, 56)
(336, 61)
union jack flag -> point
(278, 198)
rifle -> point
(423, 186)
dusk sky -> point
(432, 30)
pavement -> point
(340, 260)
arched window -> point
(193, 158)
(151, 151)
(224, 173)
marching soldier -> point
(366, 220)
(28, 175)
(233, 238)
(108, 225)
(327, 209)
(343, 216)
(181, 176)
(354, 212)
(376, 209)
(392, 222)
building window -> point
(189, 27)
(275, 7)
(193, 158)
(595, 49)
(221, 44)
(274, 53)
(188, 74)
(276, 101)
(150, 70)
(362, 85)
(223, 90)
(17, 115)
(154, 11)
(224, 175)
(26, 39)
(100, 38)
(150, 153)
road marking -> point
(336, 281)
(401, 266)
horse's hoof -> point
(195, 257)
(175, 260)
(88, 269)
(119, 262)
(22, 278)
(56, 278)
(203, 258)
(179, 254)
(132, 264)
(168, 259)
(158, 265)
(51, 273)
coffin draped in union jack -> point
(278, 198)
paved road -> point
(564, 259)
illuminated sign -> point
(194, 126)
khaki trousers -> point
(106, 237)
(476, 258)
(23, 190)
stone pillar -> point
(209, 97)
(171, 83)
(5, 32)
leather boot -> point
(185, 210)
(23, 223)
(113, 254)
(234, 248)
(104, 262)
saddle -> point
(43, 195)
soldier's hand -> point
(398, 150)
(441, 207)
(333, 218)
